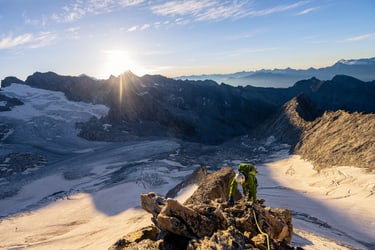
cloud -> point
(42, 39)
(276, 9)
(218, 10)
(306, 11)
(80, 8)
(235, 10)
(28, 40)
(34, 22)
(180, 8)
(145, 26)
(127, 3)
(361, 37)
(73, 32)
(10, 42)
(133, 28)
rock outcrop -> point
(288, 124)
(7, 103)
(205, 221)
(7, 81)
(339, 139)
(332, 138)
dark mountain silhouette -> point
(202, 111)
(197, 110)
(9, 80)
(363, 69)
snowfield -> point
(87, 196)
(332, 208)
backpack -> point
(247, 168)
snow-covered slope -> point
(87, 196)
(332, 209)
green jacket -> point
(251, 182)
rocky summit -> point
(205, 221)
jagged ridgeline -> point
(337, 115)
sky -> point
(172, 38)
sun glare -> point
(116, 62)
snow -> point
(325, 214)
(185, 193)
(99, 202)
(78, 220)
(52, 104)
(333, 206)
(357, 62)
(172, 163)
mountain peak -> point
(128, 73)
(7, 81)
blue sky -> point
(172, 38)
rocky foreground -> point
(205, 221)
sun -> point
(115, 62)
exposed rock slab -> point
(206, 222)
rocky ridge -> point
(339, 139)
(334, 138)
(153, 105)
(205, 221)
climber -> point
(245, 177)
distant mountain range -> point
(363, 69)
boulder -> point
(205, 221)
(215, 186)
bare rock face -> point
(206, 222)
(215, 186)
(146, 236)
(196, 177)
(339, 139)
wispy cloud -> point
(42, 39)
(127, 3)
(200, 10)
(73, 32)
(276, 9)
(10, 41)
(218, 10)
(145, 26)
(80, 8)
(180, 8)
(28, 40)
(306, 11)
(34, 22)
(133, 28)
(361, 37)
